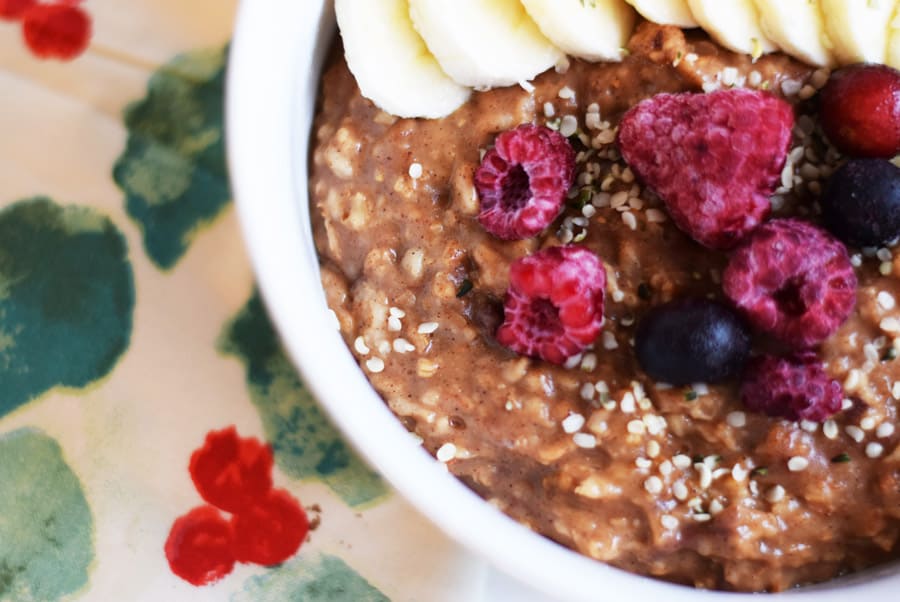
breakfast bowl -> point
(275, 72)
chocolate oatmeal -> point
(681, 483)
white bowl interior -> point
(276, 57)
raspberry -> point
(714, 159)
(554, 305)
(860, 110)
(796, 388)
(792, 280)
(523, 181)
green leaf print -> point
(321, 579)
(306, 446)
(173, 169)
(46, 545)
(66, 298)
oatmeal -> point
(682, 483)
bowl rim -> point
(272, 82)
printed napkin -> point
(155, 441)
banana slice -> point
(483, 43)
(893, 54)
(595, 30)
(797, 27)
(665, 12)
(390, 61)
(733, 24)
(858, 29)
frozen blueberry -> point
(692, 340)
(861, 204)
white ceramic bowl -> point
(278, 50)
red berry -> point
(714, 159)
(58, 31)
(523, 181)
(793, 281)
(554, 305)
(797, 388)
(860, 110)
(270, 531)
(200, 546)
(11, 10)
(231, 472)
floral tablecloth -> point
(140, 378)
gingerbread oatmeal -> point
(684, 483)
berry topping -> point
(714, 159)
(792, 280)
(692, 340)
(797, 388)
(861, 205)
(860, 110)
(523, 181)
(554, 305)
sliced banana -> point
(595, 30)
(893, 53)
(858, 29)
(733, 24)
(666, 12)
(797, 27)
(483, 43)
(391, 63)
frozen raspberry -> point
(714, 159)
(792, 280)
(522, 182)
(554, 305)
(860, 110)
(796, 388)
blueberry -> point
(692, 340)
(861, 204)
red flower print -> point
(231, 472)
(51, 30)
(267, 526)
(59, 31)
(200, 547)
(271, 531)
(11, 10)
